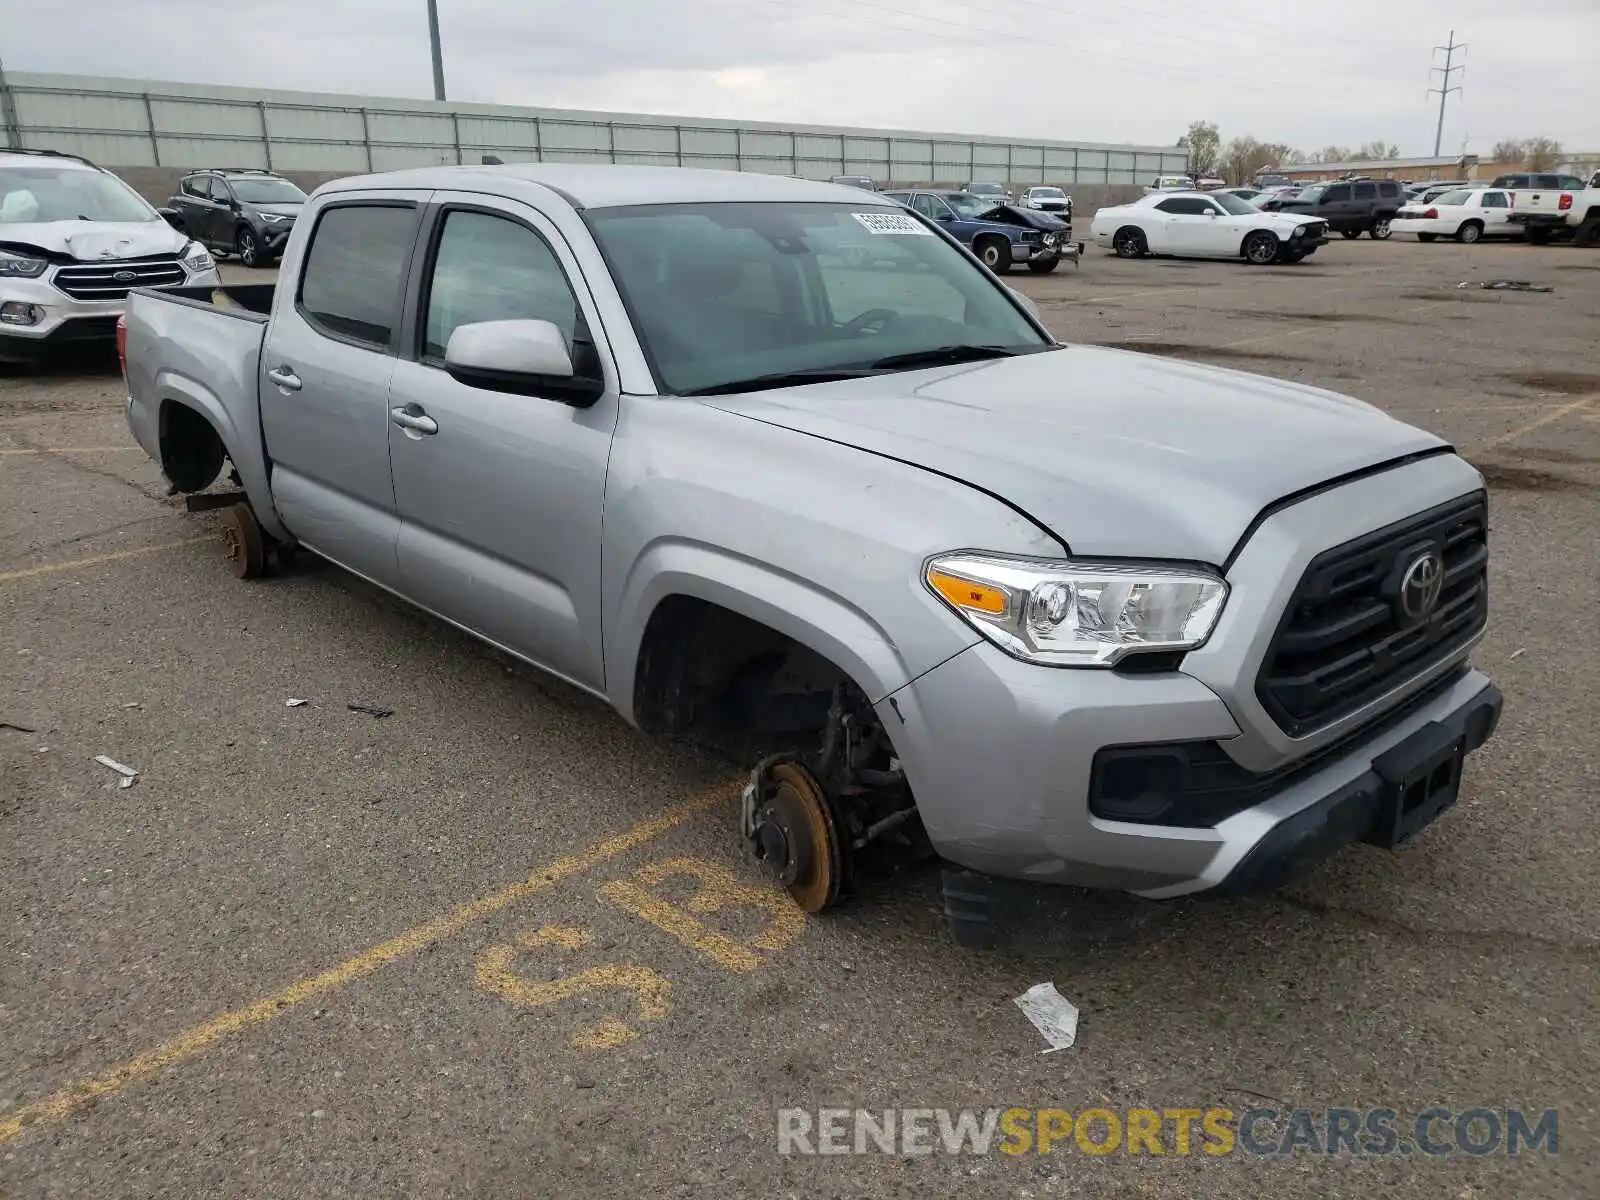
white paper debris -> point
(1052, 1014)
(128, 773)
(295, 703)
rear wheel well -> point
(191, 452)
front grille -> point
(1345, 640)
(1316, 229)
(98, 281)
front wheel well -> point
(707, 672)
(192, 452)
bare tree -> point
(1333, 154)
(1373, 151)
(1511, 151)
(1202, 142)
(1541, 154)
(1244, 157)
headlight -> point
(1078, 614)
(197, 258)
(18, 266)
(274, 218)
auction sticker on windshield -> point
(891, 222)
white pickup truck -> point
(1548, 205)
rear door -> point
(1496, 206)
(501, 502)
(325, 374)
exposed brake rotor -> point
(795, 833)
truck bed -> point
(200, 348)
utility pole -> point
(438, 55)
(10, 128)
(1444, 89)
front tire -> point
(1469, 232)
(1588, 233)
(1380, 230)
(1130, 243)
(1261, 248)
(1426, 237)
(995, 254)
(247, 247)
(1044, 268)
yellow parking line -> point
(199, 1038)
(1537, 423)
(95, 560)
(73, 450)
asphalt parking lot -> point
(499, 944)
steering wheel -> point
(858, 324)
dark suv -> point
(1351, 206)
(238, 211)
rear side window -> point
(1495, 200)
(1341, 192)
(195, 185)
(350, 288)
(1389, 190)
(1366, 191)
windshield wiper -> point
(938, 356)
(781, 379)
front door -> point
(500, 500)
(325, 373)
(1182, 227)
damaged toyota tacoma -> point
(1050, 612)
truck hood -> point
(94, 241)
(1117, 454)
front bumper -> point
(274, 237)
(62, 320)
(1001, 754)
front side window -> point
(48, 192)
(489, 268)
(351, 284)
(1185, 206)
(725, 296)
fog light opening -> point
(15, 312)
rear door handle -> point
(285, 378)
(414, 421)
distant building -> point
(1460, 166)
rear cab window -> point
(350, 286)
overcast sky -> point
(1096, 70)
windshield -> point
(55, 193)
(968, 205)
(267, 191)
(986, 189)
(1453, 198)
(725, 293)
(1049, 193)
(1272, 180)
(1231, 203)
(1314, 192)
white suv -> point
(74, 240)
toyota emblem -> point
(1420, 585)
(125, 276)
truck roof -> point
(608, 186)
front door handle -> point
(414, 421)
(285, 378)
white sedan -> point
(1463, 215)
(1206, 225)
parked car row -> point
(1001, 235)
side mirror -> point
(944, 215)
(524, 357)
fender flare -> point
(175, 388)
(797, 608)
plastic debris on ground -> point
(1505, 285)
(295, 703)
(372, 710)
(129, 775)
(1052, 1014)
(18, 728)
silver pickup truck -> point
(780, 464)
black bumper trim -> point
(96, 332)
(1300, 842)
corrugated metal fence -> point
(130, 123)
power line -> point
(1444, 89)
